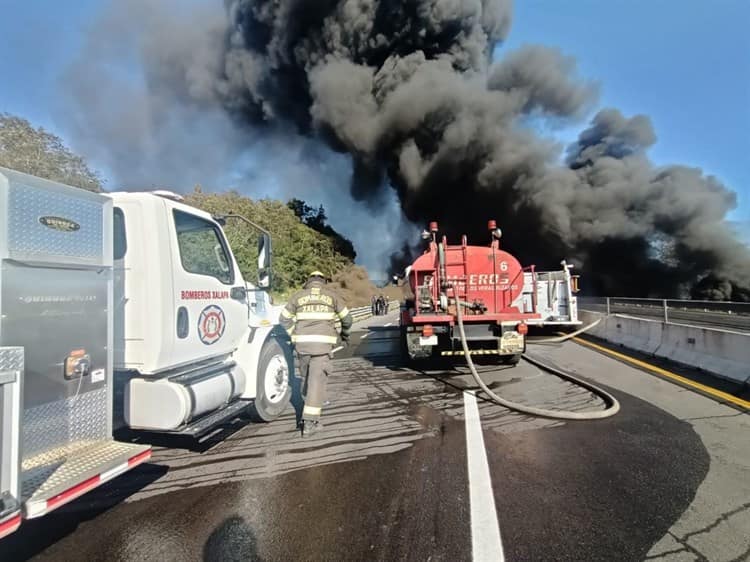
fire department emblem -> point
(211, 324)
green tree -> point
(297, 248)
(40, 153)
(317, 220)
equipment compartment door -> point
(59, 316)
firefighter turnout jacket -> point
(310, 317)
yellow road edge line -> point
(702, 387)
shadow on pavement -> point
(233, 540)
(36, 535)
(184, 441)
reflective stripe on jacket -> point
(310, 317)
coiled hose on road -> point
(613, 406)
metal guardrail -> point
(360, 313)
(365, 312)
(718, 314)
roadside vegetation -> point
(297, 248)
(38, 152)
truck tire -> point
(274, 390)
(403, 348)
(510, 359)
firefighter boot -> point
(310, 428)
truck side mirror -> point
(264, 261)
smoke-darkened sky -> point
(679, 54)
(408, 93)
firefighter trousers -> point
(314, 370)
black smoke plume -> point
(407, 89)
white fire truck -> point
(125, 310)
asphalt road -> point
(407, 469)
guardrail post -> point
(666, 313)
(608, 309)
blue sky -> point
(685, 63)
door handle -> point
(238, 293)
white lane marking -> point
(389, 324)
(486, 544)
(367, 335)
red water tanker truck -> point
(500, 299)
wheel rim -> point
(276, 379)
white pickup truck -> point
(120, 310)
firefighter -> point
(381, 305)
(310, 317)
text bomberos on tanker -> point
(483, 282)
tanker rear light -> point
(522, 328)
(427, 331)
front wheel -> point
(274, 390)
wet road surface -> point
(668, 478)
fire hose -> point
(569, 336)
(613, 406)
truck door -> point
(211, 302)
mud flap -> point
(512, 343)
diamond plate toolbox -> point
(47, 221)
(79, 419)
(11, 359)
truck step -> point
(198, 428)
(195, 374)
(54, 478)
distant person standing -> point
(374, 305)
(310, 318)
